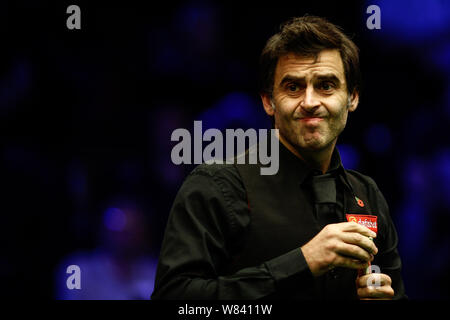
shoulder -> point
(225, 176)
(215, 170)
(360, 179)
(363, 184)
(215, 180)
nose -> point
(309, 103)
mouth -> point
(311, 120)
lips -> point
(311, 120)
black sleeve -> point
(388, 258)
(207, 218)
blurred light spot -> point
(198, 22)
(413, 20)
(349, 156)
(114, 219)
(378, 139)
(413, 223)
(77, 180)
(447, 100)
(440, 56)
(236, 109)
(441, 165)
(415, 176)
(15, 85)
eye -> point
(326, 85)
(292, 87)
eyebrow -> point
(291, 78)
(329, 77)
(326, 76)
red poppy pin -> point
(359, 201)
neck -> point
(317, 159)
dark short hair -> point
(307, 36)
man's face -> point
(310, 100)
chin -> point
(313, 145)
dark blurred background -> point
(86, 118)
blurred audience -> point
(121, 267)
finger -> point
(354, 227)
(382, 292)
(359, 240)
(346, 262)
(352, 251)
(366, 280)
(375, 299)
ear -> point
(267, 103)
(354, 100)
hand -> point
(382, 289)
(343, 244)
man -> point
(236, 234)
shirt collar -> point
(292, 166)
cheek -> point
(282, 114)
(339, 121)
(344, 115)
(286, 122)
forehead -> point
(328, 61)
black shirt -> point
(204, 254)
